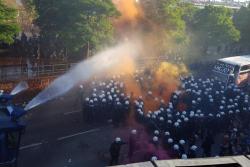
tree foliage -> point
(8, 23)
(73, 24)
(171, 15)
(242, 22)
(213, 26)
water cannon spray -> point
(6, 104)
(22, 86)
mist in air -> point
(83, 71)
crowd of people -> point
(203, 118)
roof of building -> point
(237, 60)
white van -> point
(233, 70)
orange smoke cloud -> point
(131, 15)
(167, 78)
(129, 9)
(164, 81)
(133, 23)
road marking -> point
(77, 134)
(30, 146)
(72, 112)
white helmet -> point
(176, 147)
(133, 131)
(186, 119)
(193, 147)
(118, 139)
(182, 142)
(170, 140)
(154, 158)
(166, 133)
(183, 156)
(156, 132)
(176, 124)
(155, 138)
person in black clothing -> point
(192, 151)
(132, 143)
(115, 151)
(207, 145)
(181, 147)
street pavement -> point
(56, 136)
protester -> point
(115, 151)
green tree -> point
(189, 11)
(9, 27)
(170, 14)
(72, 25)
(213, 26)
(242, 22)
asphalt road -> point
(56, 136)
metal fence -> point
(12, 73)
(18, 72)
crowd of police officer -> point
(213, 121)
(107, 101)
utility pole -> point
(88, 51)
